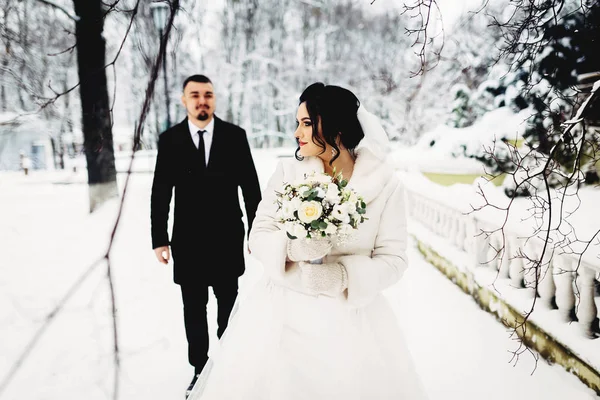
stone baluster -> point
(446, 224)
(482, 245)
(471, 235)
(443, 227)
(530, 276)
(504, 269)
(430, 215)
(565, 296)
(546, 286)
(586, 310)
(422, 208)
(457, 230)
(516, 270)
(460, 232)
(455, 218)
(438, 219)
(449, 231)
(492, 254)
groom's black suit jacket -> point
(207, 212)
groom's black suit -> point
(207, 217)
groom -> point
(205, 160)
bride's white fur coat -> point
(374, 257)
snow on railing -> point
(564, 280)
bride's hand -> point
(308, 249)
(329, 279)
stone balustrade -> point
(560, 281)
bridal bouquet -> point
(320, 206)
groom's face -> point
(199, 100)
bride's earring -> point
(332, 152)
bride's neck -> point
(344, 164)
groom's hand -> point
(162, 254)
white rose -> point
(320, 192)
(331, 229)
(295, 229)
(350, 207)
(309, 211)
(287, 209)
(302, 190)
(319, 178)
(289, 226)
(353, 198)
(295, 203)
(339, 213)
(299, 231)
(332, 195)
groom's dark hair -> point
(196, 78)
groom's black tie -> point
(201, 151)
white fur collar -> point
(368, 179)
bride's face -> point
(304, 133)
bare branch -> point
(422, 11)
(543, 207)
(67, 50)
(174, 6)
(61, 8)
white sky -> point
(452, 10)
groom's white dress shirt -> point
(208, 136)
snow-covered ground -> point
(49, 241)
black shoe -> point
(192, 383)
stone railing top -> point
(454, 201)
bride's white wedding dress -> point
(283, 343)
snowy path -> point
(48, 240)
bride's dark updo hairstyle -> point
(336, 107)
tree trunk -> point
(96, 119)
(4, 68)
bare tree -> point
(95, 107)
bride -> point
(322, 331)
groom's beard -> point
(203, 115)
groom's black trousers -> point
(195, 299)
